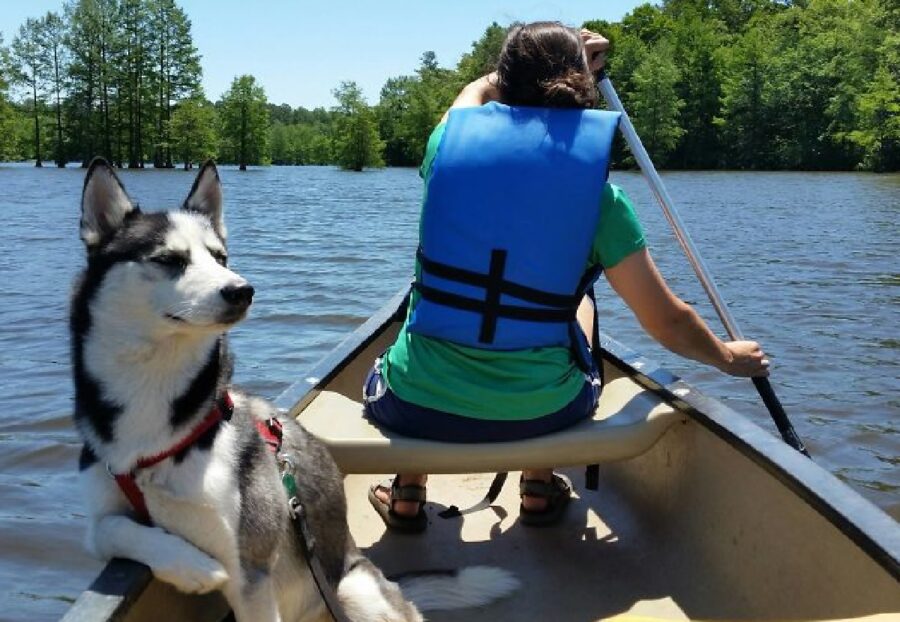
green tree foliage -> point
(176, 72)
(356, 140)
(132, 74)
(56, 59)
(82, 79)
(300, 136)
(95, 42)
(482, 58)
(765, 84)
(392, 111)
(8, 114)
(748, 103)
(130, 62)
(879, 130)
(312, 145)
(411, 106)
(697, 38)
(245, 120)
(280, 147)
(433, 92)
(29, 69)
(655, 105)
(192, 130)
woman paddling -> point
(517, 221)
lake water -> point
(808, 263)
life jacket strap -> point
(468, 277)
(558, 308)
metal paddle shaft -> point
(684, 239)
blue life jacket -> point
(509, 218)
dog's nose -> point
(238, 295)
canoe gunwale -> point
(121, 582)
(116, 588)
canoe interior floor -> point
(590, 567)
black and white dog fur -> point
(148, 322)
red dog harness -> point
(270, 431)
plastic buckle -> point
(296, 508)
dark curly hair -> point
(543, 64)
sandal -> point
(399, 522)
(557, 492)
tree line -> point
(744, 84)
(120, 79)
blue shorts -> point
(408, 419)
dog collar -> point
(221, 410)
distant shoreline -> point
(228, 166)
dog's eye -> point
(173, 261)
(221, 258)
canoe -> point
(699, 513)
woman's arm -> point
(676, 325)
(477, 93)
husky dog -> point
(152, 379)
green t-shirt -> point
(502, 385)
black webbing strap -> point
(308, 546)
(492, 296)
(491, 496)
(558, 308)
(495, 488)
(592, 476)
(477, 279)
(514, 312)
(592, 471)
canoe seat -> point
(628, 421)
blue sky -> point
(299, 51)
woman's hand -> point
(747, 359)
(595, 48)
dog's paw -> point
(198, 575)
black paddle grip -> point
(767, 393)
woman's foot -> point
(534, 503)
(544, 498)
(400, 503)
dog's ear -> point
(104, 203)
(205, 197)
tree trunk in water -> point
(104, 106)
(157, 150)
(37, 127)
(243, 157)
(169, 119)
(89, 120)
(139, 113)
(60, 156)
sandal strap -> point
(408, 492)
(547, 490)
